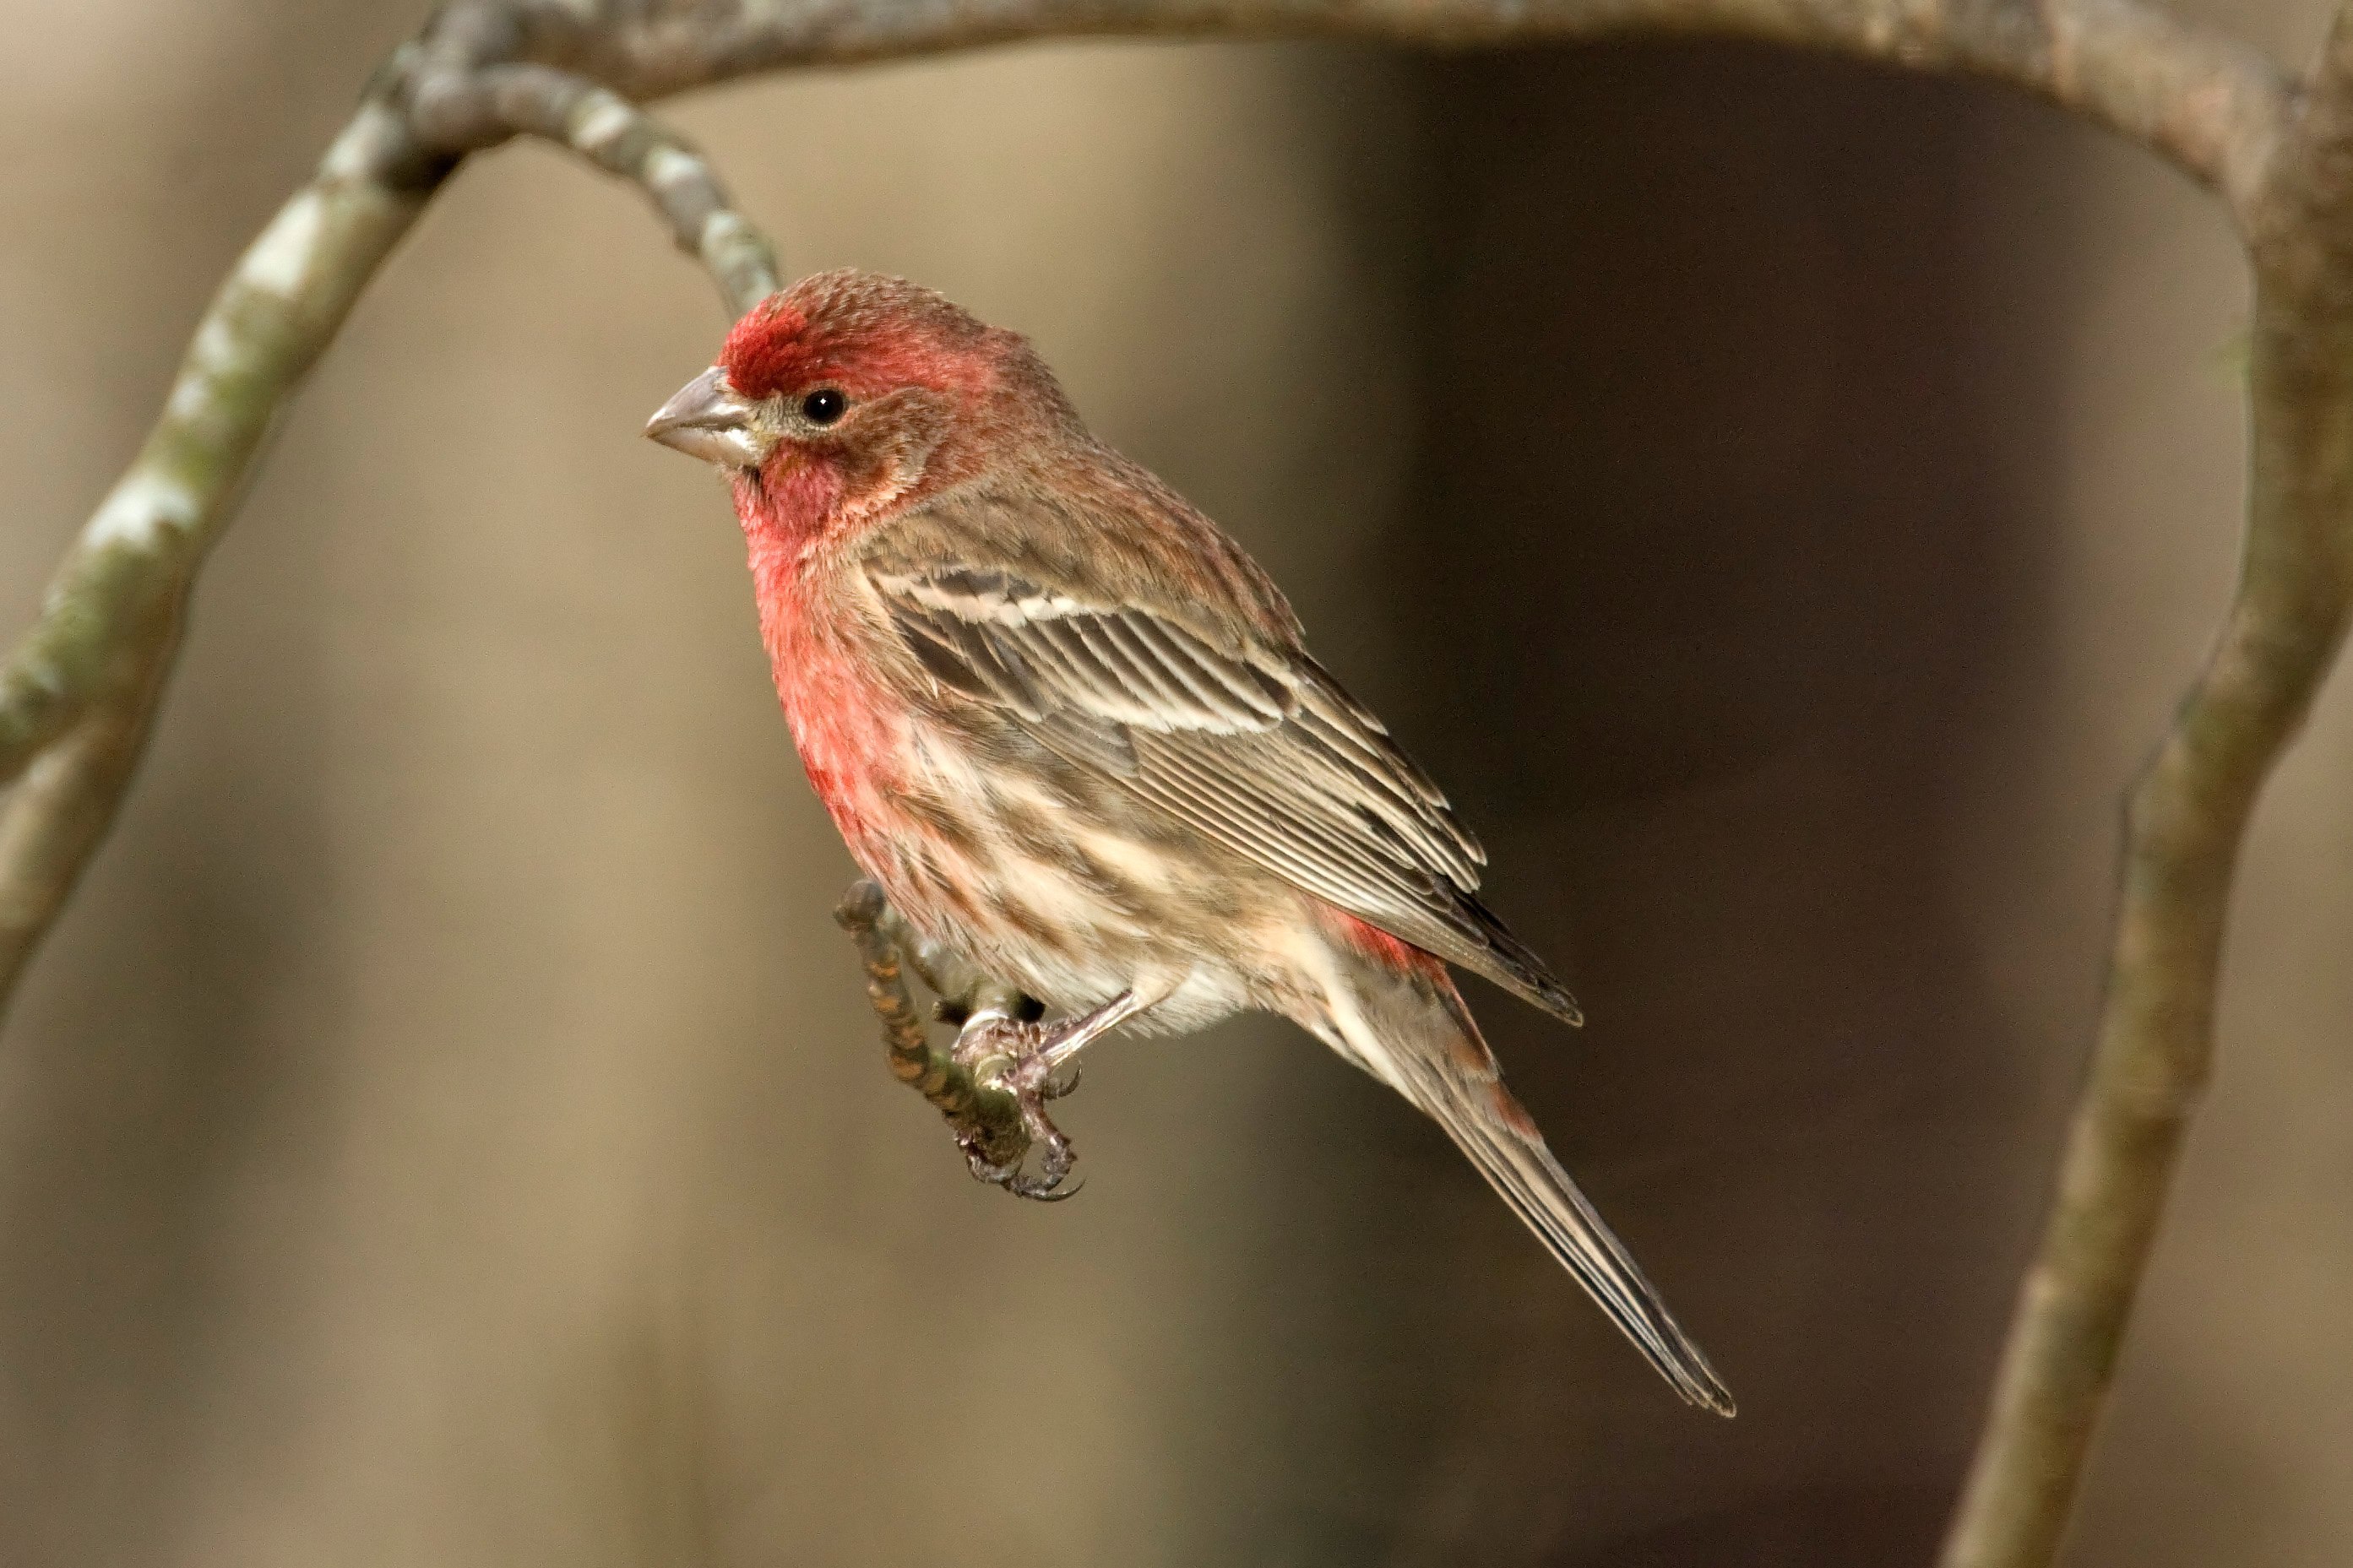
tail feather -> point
(1524, 1172)
(1414, 1032)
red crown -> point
(766, 351)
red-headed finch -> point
(1072, 731)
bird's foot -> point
(1021, 1059)
(1025, 1059)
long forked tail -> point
(1412, 1030)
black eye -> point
(824, 406)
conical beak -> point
(708, 420)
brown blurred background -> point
(1779, 500)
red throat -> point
(849, 733)
(789, 505)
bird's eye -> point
(824, 406)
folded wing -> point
(1254, 745)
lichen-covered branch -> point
(54, 816)
(94, 661)
(109, 609)
(77, 690)
(986, 1119)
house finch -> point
(1072, 731)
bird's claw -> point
(1018, 1058)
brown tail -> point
(1413, 1032)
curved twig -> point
(82, 681)
(77, 690)
(118, 591)
(2208, 102)
(465, 112)
(2187, 817)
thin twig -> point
(78, 689)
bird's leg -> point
(1021, 1057)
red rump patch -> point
(1465, 1050)
(767, 350)
(1380, 946)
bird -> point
(1072, 731)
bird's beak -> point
(708, 420)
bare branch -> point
(464, 112)
(103, 617)
(2207, 101)
(107, 626)
(82, 682)
(2186, 818)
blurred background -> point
(1779, 500)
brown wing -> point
(1254, 746)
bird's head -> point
(850, 392)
